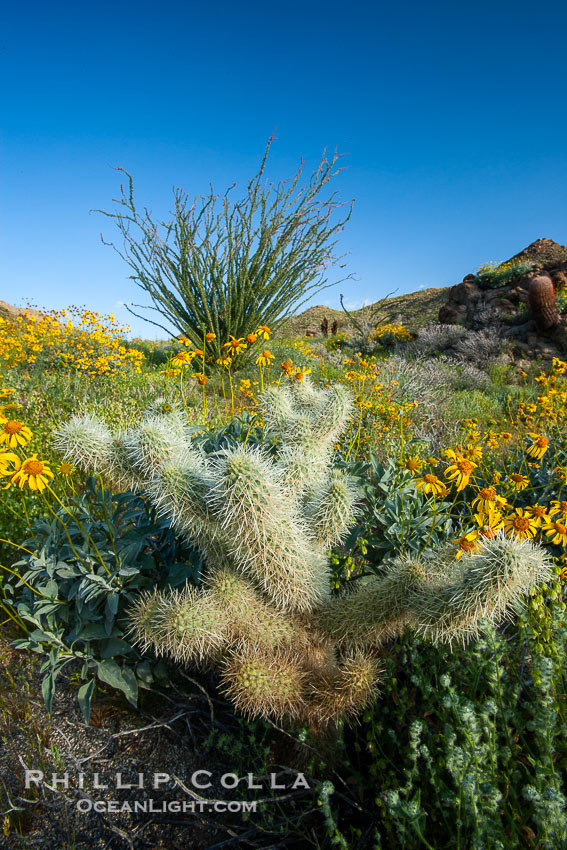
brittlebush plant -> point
(265, 517)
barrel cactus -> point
(543, 305)
(264, 517)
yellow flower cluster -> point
(379, 412)
(397, 332)
(71, 340)
(491, 471)
(27, 470)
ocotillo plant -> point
(265, 617)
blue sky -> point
(452, 118)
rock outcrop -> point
(509, 310)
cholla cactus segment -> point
(86, 441)
(488, 584)
(120, 468)
(344, 691)
(251, 620)
(262, 684)
(270, 543)
(180, 490)
(332, 508)
(377, 610)
(333, 414)
(159, 440)
(146, 616)
(277, 405)
(188, 625)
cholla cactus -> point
(265, 618)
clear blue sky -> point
(452, 115)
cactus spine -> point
(264, 617)
(541, 298)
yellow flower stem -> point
(231, 392)
(25, 507)
(182, 392)
(252, 418)
(67, 535)
(18, 576)
(6, 606)
(357, 434)
(82, 529)
(224, 397)
(434, 517)
(261, 378)
(17, 546)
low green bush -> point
(90, 563)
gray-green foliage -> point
(92, 561)
(230, 269)
(470, 752)
(264, 520)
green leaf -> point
(84, 696)
(122, 679)
(48, 690)
(114, 646)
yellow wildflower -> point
(33, 472)
(539, 446)
(264, 358)
(557, 531)
(459, 471)
(519, 482)
(14, 433)
(521, 524)
(431, 484)
(467, 543)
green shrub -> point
(92, 563)
(493, 275)
(229, 270)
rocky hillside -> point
(414, 310)
(521, 301)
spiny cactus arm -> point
(489, 583)
(250, 619)
(342, 691)
(332, 415)
(269, 543)
(120, 468)
(159, 440)
(331, 510)
(181, 488)
(264, 684)
(376, 611)
(188, 625)
(277, 406)
(86, 441)
(306, 397)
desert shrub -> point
(473, 404)
(92, 561)
(466, 749)
(230, 269)
(430, 379)
(435, 338)
(479, 347)
(494, 275)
